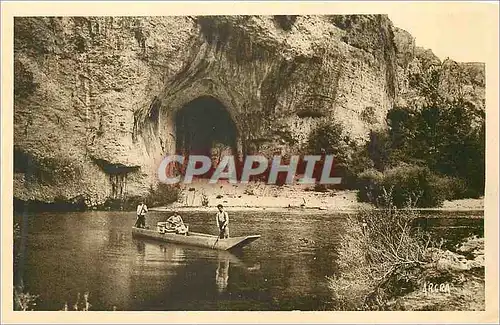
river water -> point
(67, 254)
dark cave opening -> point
(204, 127)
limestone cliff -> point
(96, 98)
(419, 69)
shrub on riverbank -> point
(162, 194)
(24, 301)
(404, 185)
(383, 259)
(447, 138)
(442, 143)
(377, 247)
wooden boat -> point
(196, 239)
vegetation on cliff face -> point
(439, 148)
(432, 150)
(426, 155)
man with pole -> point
(222, 223)
(222, 219)
(141, 216)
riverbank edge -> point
(291, 201)
(293, 209)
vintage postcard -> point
(279, 161)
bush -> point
(385, 259)
(405, 185)
(163, 194)
(416, 186)
(379, 149)
(379, 257)
(370, 184)
(24, 301)
(447, 136)
(459, 189)
(329, 138)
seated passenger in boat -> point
(173, 224)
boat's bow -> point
(239, 242)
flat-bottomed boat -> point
(196, 239)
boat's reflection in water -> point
(173, 253)
(152, 252)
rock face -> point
(97, 99)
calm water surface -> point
(69, 253)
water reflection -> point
(117, 238)
(153, 252)
(100, 255)
(69, 253)
(173, 253)
(222, 273)
(141, 247)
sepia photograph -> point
(249, 162)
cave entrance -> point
(204, 127)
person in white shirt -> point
(222, 219)
(142, 209)
(175, 223)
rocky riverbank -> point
(451, 281)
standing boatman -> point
(222, 219)
(142, 209)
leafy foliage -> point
(442, 131)
(442, 146)
(329, 138)
(385, 258)
(448, 137)
(404, 184)
(163, 194)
